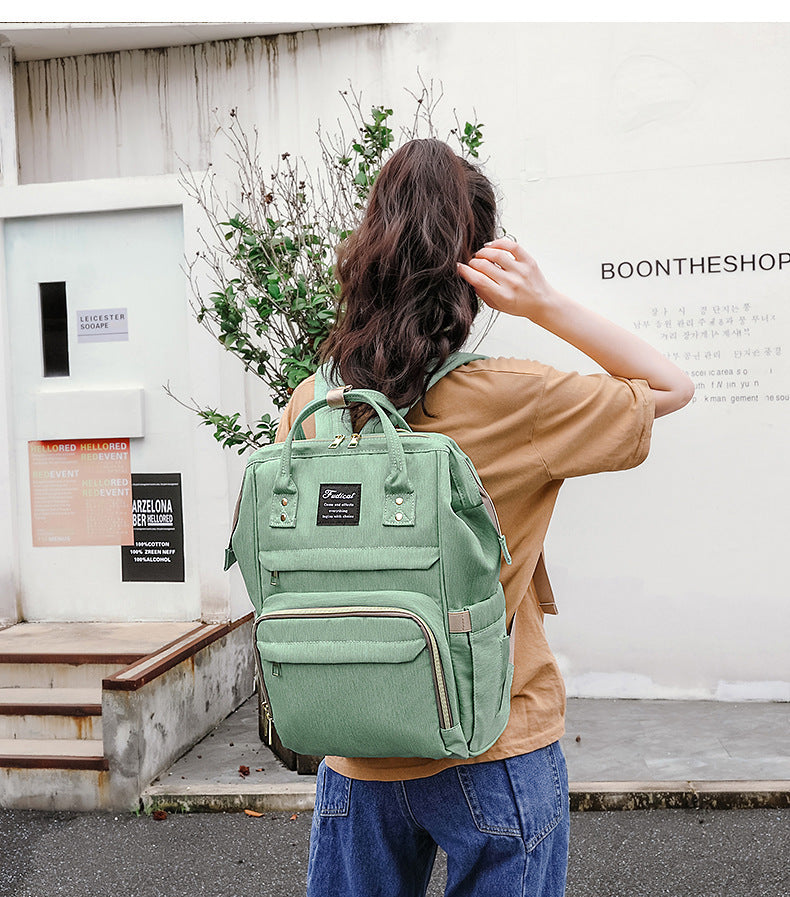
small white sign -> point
(98, 325)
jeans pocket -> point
(521, 796)
(540, 782)
(333, 792)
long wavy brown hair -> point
(403, 306)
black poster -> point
(157, 516)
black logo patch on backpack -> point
(339, 504)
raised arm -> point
(509, 280)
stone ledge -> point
(290, 798)
(584, 796)
(735, 795)
(143, 670)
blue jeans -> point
(503, 825)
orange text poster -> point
(81, 492)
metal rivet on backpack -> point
(399, 516)
(284, 502)
(398, 501)
(282, 517)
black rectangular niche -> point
(54, 329)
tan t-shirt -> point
(526, 427)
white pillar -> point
(9, 564)
(9, 578)
(9, 176)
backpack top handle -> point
(399, 498)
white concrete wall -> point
(84, 583)
(610, 143)
(91, 253)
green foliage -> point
(471, 137)
(375, 138)
(269, 257)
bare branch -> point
(262, 281)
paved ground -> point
(628, 753)
(660, 853)
(620, 753)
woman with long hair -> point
(412, 276)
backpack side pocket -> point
(483, 672)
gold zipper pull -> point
(336, 441)
(355, 437)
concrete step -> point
(42, 673)
(44, 713)
(52, 753)
(162, 686)
(76, 655)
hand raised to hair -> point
(508, 279)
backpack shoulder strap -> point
(331, 422)
(455, 360)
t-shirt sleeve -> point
(301, 396)
(286, 422)
(589, 423)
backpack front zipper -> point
(321, 613)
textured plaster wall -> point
(147, 730)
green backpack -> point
(372, 560)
